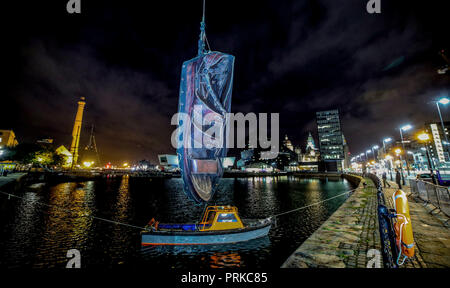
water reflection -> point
(67, 222)
(39, 236)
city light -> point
(406, 127)
(444, 101)
(369, 151)
(88, 164)
(388, 157)
(423, 137)
(375, 147)
(398, 151)
(387, 140)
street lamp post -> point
(398, 152)
(389, 162)
(373, 151)
(386, 140)
(405, 128)
(363, 165)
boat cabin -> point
(220, 218)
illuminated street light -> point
(423, 137)
(444, 101)
(398, 151)
(386, 140)
(405, 128)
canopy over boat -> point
(205, 97)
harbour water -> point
(37, 235)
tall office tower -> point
(331, 142)
(77, 131)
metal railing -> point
(437, 195)
(389, 248)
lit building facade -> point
(8, 138)
(439, 147)
(288, 143)
(331, 142)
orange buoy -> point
(403, 225)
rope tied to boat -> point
(69, 211)
(313, 204)
(145, 228)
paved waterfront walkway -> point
(431, 236)
(345, 238)
(10, 178)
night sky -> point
(292, 58)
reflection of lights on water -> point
(123, 199)
(225, 259)
(68, 216)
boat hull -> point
(203, 238)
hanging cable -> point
(307, 206)
(69, 211)
(143, 228)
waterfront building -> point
(331, 143)
(168, 162)
(310, 159)
(258, 167)
(288, 143)
(145, 165)
(8, 138)
(439, 147)
(298, 151)
(247, 156)
(45, 141)
(67, 156)
(310, 146)
(228, 162)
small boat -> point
(219, 225)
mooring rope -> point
(69, 211)
(144, 228)
(313, 204)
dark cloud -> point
(292, 57)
